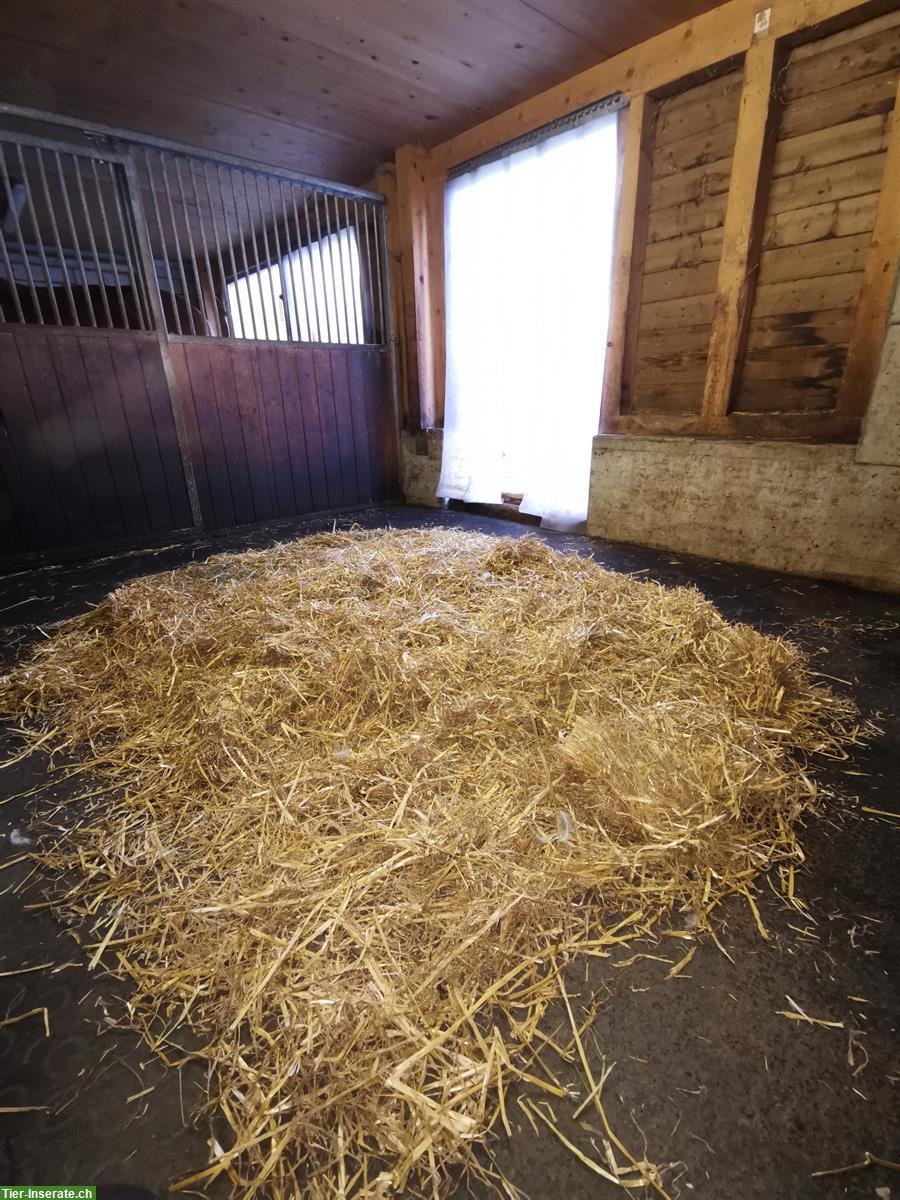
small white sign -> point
(761, 23)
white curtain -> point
(528, 262)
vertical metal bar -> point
(92, 241)
(135, 274)
(243, 246)
(270, 271)
(178, 254)
(163, 249)
(331, 241)
(323, 289)
(51, 207)
(38, 237)
(7, 266)
(255, 249)
(23, 249)
(75, 245)
(355, 301)
(383, 291)
(132, 195)
(205, 240)
(312, 271)
(190, 234)
(288, 259)
(230, 241)
(283, 261)
(362, 219)
(215, 227)
(109, 244)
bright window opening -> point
(528, 267)
(312, 295)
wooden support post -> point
(879, 273)
(420, 212)
(744, 217)
(632, 210)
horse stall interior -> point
(376, 821)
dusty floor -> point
(743, 1103)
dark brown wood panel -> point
(275, 431)
(88, 450)
(837, 97)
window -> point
(313, 294)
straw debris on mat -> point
(368, 793)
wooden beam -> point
(879, 274)
(713, 37)
(744, 216)
(632, 211)
(420, 213)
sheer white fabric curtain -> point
(528, 262)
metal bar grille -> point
(252, 254)
(66, 248)
(134, 235)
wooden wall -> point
(758, 228)
(88, 448)
(690, 143)
(837, 96)
(279, 430)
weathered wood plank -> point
(837, 181)
(837, 143)
(830, 256)
(878, 282)
(754, 147)
(833, 219)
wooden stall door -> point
(88, 450)
(279, 430)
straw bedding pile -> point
(367, 793)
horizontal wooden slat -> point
(690, 249)
(797, 329)
(821, 363)
(675, 284)
(843, 62)
(699, 109)
(831, 256)
(781, 396)
(673, 314)
(838, 143)
(694, 150)
(710, 179)
(862, 98)
(858, 177)
(690, 217)
(833, 219)
(807, 295)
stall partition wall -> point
(187, 342)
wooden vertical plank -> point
(117, 437)
(420, 212)
(324, 392)
(744, 215)
(136, 406)
(225, 399)
(171, 453)
(340, 380)
(382, 430)
(308, 399)
(879, 275)
(632, 213)
(63, 455)
(24, 454)
(356, 366)
(282, 446)
(193, 439)
(214, 450)
(256, 451)
(79, 400)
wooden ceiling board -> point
(329, 87)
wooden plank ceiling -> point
(329, 87)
